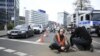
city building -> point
(69, 20)
(10, 11)
(62, 18)
(36, 17)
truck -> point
(85, 19)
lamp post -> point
(6, 16)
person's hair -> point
(60, 29)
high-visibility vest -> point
(59, 41)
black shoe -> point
(66, 50)
(51, 47)
(91, 48)
(58, 52)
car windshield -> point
(21, 27)
(36, 26)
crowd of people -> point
(80, 38)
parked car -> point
(38, 28)
(20, 31)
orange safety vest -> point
(59, 41)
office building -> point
(36, 17)
(62, 18)
(11, 9)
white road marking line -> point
(24, 41)
(97, 50)
(14, 52)
(1, 48)
(96, 42)
(30, 55)
(9, 50)
(20, 53)
(38, 40)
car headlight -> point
(8, 32)
(23, 31)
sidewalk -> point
(2, 33)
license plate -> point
(14, 33)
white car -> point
(37, 28)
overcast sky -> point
(52, 6)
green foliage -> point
(1, 27)
(10, 25)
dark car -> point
(20, 31)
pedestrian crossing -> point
(15, 52)
(9, 50)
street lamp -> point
(6, 16)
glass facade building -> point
(11, 9)
(36, 17)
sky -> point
(52, 7)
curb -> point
(2, 35)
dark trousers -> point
(58, 47)
(81, 43)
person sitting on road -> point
(60, 42)
(82, 39)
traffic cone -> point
(42, 39)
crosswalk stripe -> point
(1, 48)
(14, 52)
(96, 42)
(20, 53)
(9, 50)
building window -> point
(10, 0)
(2, 4)
(2, 0)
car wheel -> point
(98, 35)
(32, 33)
(39, 32)
(11, 37)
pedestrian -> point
(60, 42)
(82, 39)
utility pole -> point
(5, 27)
(14, 14)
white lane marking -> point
(24, 41)
(20, 54)
(38, 40)
(96, 42)
(9, 50)
(14, 52)
(1, 48)
(97, 50)
(30, 55)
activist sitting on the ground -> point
(60, 41)
(82, 39)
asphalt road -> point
(32, 47)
